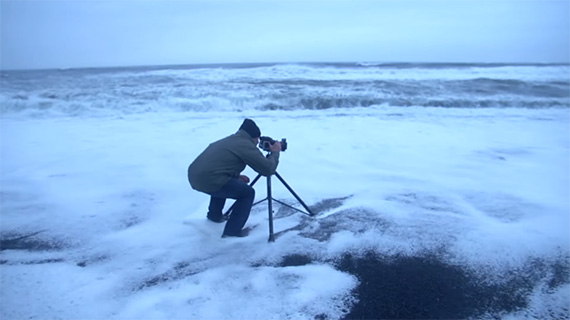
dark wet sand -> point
(426, 287)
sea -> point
(439, 191)
(288, 87)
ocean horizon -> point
(436, 64)
(315, 86)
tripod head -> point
(265, 143)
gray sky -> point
(95, 33)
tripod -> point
(270, 200)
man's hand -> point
(276, 147)
(244, 178)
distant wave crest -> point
(282, 87)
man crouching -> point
(216, 171)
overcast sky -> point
(95, 33)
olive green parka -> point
(227, 158)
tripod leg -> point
(251, 185)
(270, 209)
(294, 194)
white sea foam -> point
(122, 234)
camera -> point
(266, 142)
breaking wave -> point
(224, 88)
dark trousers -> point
(243, 194)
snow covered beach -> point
(426, 208)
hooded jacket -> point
(227, 158)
